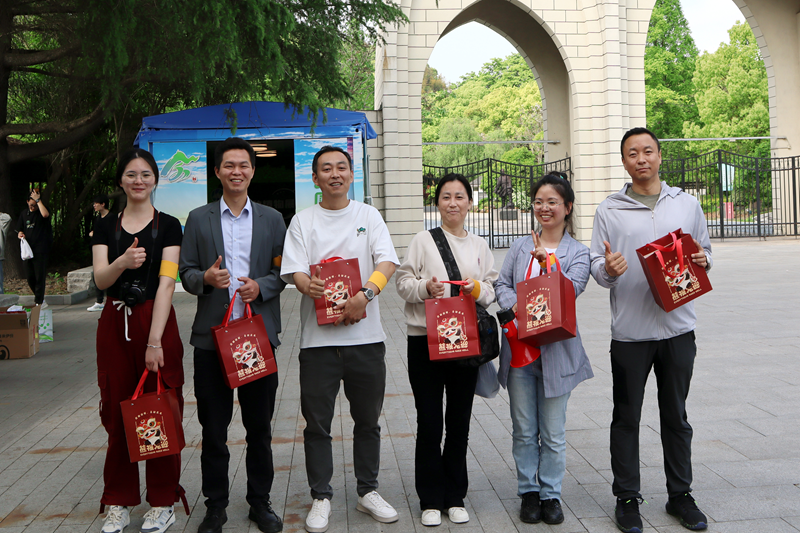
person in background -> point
(34, 226)
(5, 223)
(100, 205)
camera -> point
(133, 293)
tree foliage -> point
(732, 95)
(73, 69)
(669, 67)
(499, 102)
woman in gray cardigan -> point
(538, 392)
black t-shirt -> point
(169, 234)
(37, 229)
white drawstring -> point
(120, 304)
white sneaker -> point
(117, 519)
(458, 515)
(158, 519)
(317, 519)
(431, 517)
(44, 305)
(96, 307)
(372, 503)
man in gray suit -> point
(233, 246)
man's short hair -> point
(233, 143)
(101, 199)
(637, 131)
(325, 150)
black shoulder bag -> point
(487, 324)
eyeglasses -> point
(551, 204)
(144, 175)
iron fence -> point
(500, 195)
(741, 196)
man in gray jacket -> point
(643, 335)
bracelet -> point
(153, 346)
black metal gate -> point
(502, 210)
(741, 196)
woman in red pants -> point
(135, 259)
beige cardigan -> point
(423, 262)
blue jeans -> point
(540, 444)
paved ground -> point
(744, 406)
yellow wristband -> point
(378, 279)
(169, 269)
(476, 290)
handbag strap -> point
(140, 386)
(248, 313)
(447, 258)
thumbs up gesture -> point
(615, 263)
(134, 256)
(217, 277)
(316, 287)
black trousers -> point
(440, 474)
(362, 368)
(36, 270)
(673, 362)
(215, 411)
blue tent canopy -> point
(252, 119)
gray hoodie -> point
(627, 225)
(5, 223)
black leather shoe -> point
(263, 515)
(214, 520)
(551, 511)
(530, 512)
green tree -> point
(669, 66)
(456, 129)
(732, 95)
(69, 69)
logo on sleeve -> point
(361, 231)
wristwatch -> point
(369, 293)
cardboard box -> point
(19, 334)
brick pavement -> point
(744, 406)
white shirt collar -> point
(224, 207)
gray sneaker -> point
(158, 519)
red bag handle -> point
(248, 313)
(140, 386)
(549, 264)
(330, 260)
(677, 245)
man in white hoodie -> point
(644, 336)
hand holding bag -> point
(546, 307)
(153, 422)
(487, 324)
(25, 249)
(243, 347)
(673, 277)
(342, 279)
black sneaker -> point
(530, 512)
(685, 508)
(551, 511)
(627, 514)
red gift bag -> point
(342, 279)
(546, 307)
(673, 278)
(452, 325)
(153, 422)
(243, 348)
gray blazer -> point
(564, 363)
(203, 244)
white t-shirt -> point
(357, 231)
(535, 268)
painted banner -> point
(182, 181)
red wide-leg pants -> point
(120, 365)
